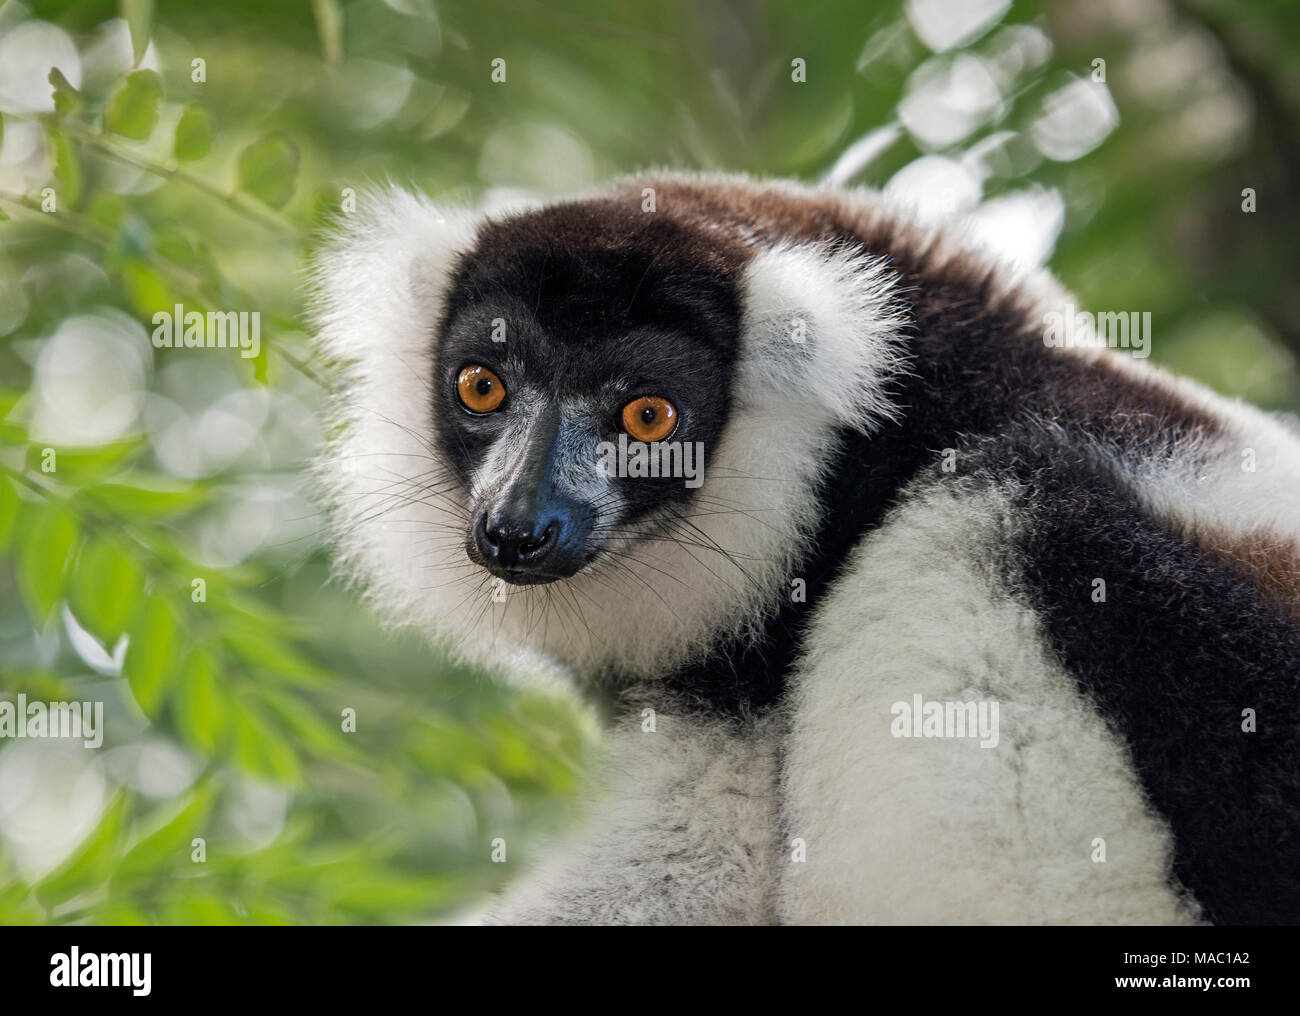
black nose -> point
(525, 550)
(517, 544)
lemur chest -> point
(936, 741)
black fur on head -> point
(579, 309)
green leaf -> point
(105, 591)
(268, 170)
(132, 110)
(268, 914)
(449, 109)
(37, 684)
(201, 711)
(86, 465)
(67, 100)
(261, 650)
(798, 136)
(10, 399)
(193, 134)
(261, 750)
(329, 26)
(198, 908)
(308, 729)
(117, 915)
(169, 845)
(151, 655)
(67, 166)
(148, 291)
(139, 15)
(366, 892)
(107, 212)
(9, 505)
(17, 906)
(93, 861)
(176, 246)
(50, 535)
(261, 363)
(128, 499)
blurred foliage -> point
(182, 155)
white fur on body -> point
(943, 830)
(684, 831)
(696, 822)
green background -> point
(224, 716)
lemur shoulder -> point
(908, 498)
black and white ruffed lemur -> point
(909, 498)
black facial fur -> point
(594, 304)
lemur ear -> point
(821, 329)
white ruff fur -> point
(1247, 480)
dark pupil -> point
(647, 415)
(483, 385)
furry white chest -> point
(1048, 826)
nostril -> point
(488, 536)
(531, 548)
(526, 550)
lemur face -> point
(501, 374)
(550, 352)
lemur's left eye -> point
(480, 390)
(649, 418)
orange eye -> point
(480, 390)
(649, 418)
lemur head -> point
(567, 334)
(588, 429)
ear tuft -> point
(821, 327)
(380, 274)
(378, 287)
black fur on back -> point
(978, 365)
(1179, 648)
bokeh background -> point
(1113, 139)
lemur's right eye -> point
(480, 390)
(649, 418)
